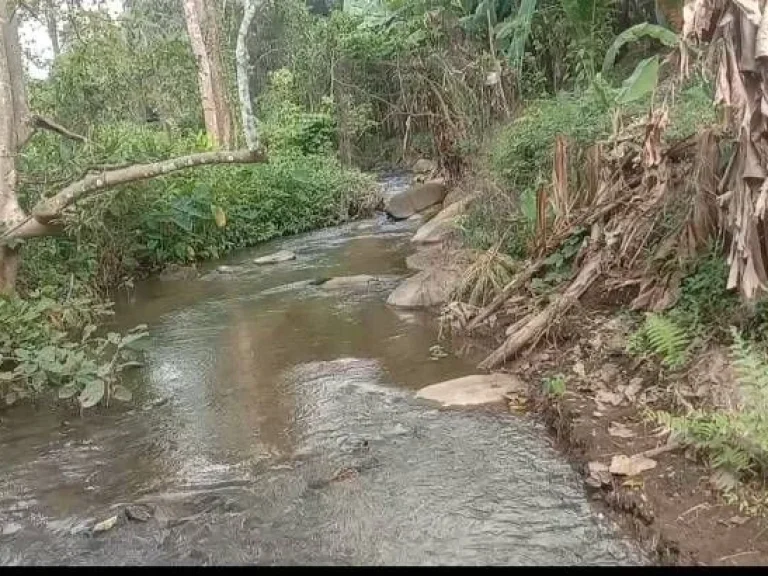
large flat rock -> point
(275, 257)
(415, 199)
(472, 390)
(427, 288)
(358, 281)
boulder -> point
(457, 194)
(227, 269)
(443, 225)
(472, 390)
(426, 215)
(415, 199)
(427, 288)
(423, 166)
(275, 257)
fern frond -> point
(668, 340)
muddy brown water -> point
(274, 423)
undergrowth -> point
(736, 439)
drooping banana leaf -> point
(635, 33)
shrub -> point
(47, 345)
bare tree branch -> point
(48, 124)
(49, 209)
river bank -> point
(275, 422)
(598, 414)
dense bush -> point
(46, 344)
(518, 160)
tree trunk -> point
(202, 28)
(52, 25)
(13, 112)
(243, 61)
(209, 25)
(17, 126)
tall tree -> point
(243, 63)
(203, 29)
(52, 24)
(18, 124)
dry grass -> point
(486, 277)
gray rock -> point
(226, 269)
(426, 215)
(11, 528)
(443, 225)
(427, 288)
(361, 280)
(423, 166)
(472, 390)
(415, 199)
(274, 258)
(137, 513)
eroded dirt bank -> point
(659, 492)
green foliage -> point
(146, 225)
(522, 153)
(663, 338)
(48, 345)
(735, 440)
(643, 81)
(559, 263)
(518, 31)
(691, 111)
(566, 41)
(554, 385)
(635, 33)
(519, 159)
(705, 305)
(286, 126)
(113, 73)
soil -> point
(673, 509)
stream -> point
(274, 422)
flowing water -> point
(275, 423)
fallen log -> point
(506, 292)
(538, 324)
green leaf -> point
(131, 364)
(92, 393)
(66, 392)
(87, 331)
(643, 80)
(520, 30)
(121, 393)
(633, 34)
